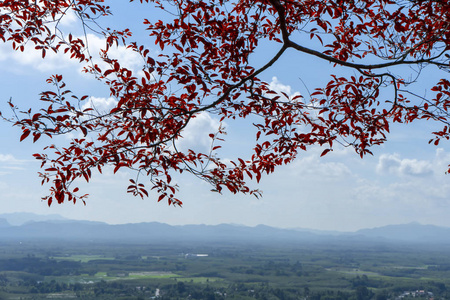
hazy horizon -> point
(30, 216)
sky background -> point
(404, 181)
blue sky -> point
(403, 181)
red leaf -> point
(107, 72)
(37, 135)
(84, 130)
(258, 176)
(325, 152)
(161, 197)
(144, 191)
(86, 176)
(26, 133)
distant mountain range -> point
(24, 217)
(31, 227)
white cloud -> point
(9, 167)
(394, 164)
(442, 160)
(126, 57)
(196, 134)
(278, 87)
(69, 19)
(417, 199)
(310, 164)
(32, 58)
(100, 104)
(6, 158)
(10, 162)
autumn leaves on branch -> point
(204, 67)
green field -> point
(228, 272)
(198, 279)
(83, 258)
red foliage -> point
(205, 67)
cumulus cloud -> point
(310, 107)
(279, 87)
(32, 58)
(313, 165)
(102, 105)
(69, 19)
(127, 57)
(196, 133)
(394, 164)
(6, 158)
(442, 159)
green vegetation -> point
(91, 271)
(83, 258)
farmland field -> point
(53, 271)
